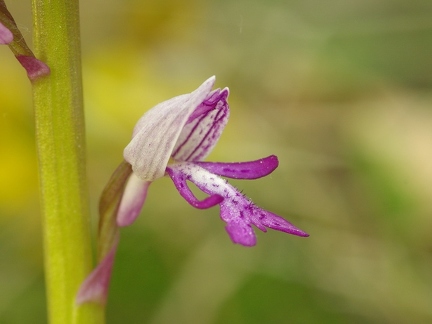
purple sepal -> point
(132, 201)
(242, 170)
(179, 180)
(34, 67)
(95, 286)
(6, 35)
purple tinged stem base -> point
(34, 67)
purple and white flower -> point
(173, 138)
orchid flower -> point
(173, 138)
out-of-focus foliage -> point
(340, 91)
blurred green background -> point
(341, 91)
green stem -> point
(61, 150)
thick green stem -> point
(61, 148)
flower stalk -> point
(58, 104)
